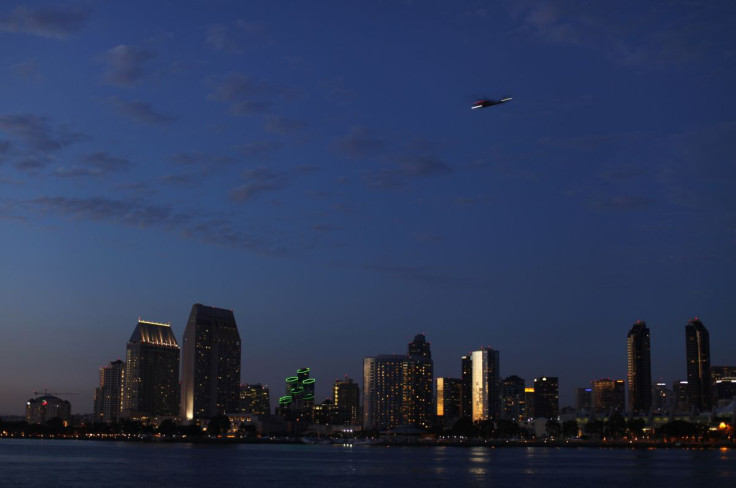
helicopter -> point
(489, 103)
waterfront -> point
(92, 463)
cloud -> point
(142, 214)
(27, 71)
(206, 163)
(682, 33)
(37, 133)
(95, 164)
(230, 37)
(126, 65)
(244, 95)
(406, 168)
(322, 228)
(359, 143)
(258, 149)
(258, 181)
(56, 22)
(5, 148)
(263, 180)
(281, 125)
(141, 112)
(128, 212)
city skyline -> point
(318, 170)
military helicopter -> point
(489, 103)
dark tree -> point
(553, 428)
(570, 429)
(218, 425)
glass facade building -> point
(210, 372)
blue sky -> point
(316, 168)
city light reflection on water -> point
(91, 463)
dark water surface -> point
(100, 463)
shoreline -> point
(491, 444)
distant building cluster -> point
(199, 380)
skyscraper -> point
(466, 399)
(108, 405)
(609, 396)
(383, 383)
(486, 395)
(640, 369)
(255, 399)
(151, 372)
(697, 350)
(546, 397)
(584, 400)
(512, 397)
(210, 373)
(419, 384)
(346, 398)
(449, 399)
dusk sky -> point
(316, 168)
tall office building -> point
(255, 399)
(724, 384)
(398, 389)
(512, 398)
(609, 396)
(584, 400)
(662, 398)
(448, 400)
(419, 384)
(151, 372)
(210, 372)
(697, 350)
(640, 369)
(485, 389)
(108, 405)
(346, 398)
(529, 402)
(41, 409)
(681, 401)
(546, 397)
(383, 384)
(466, 399)
(298, 401)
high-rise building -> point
(640, 369)
(662, 398)
(346, 398)
(681, 401)
(151, 372)
(255, 399)
(398, 389)
(546, 397)
(697, 350)
(419, 384)
(41, 409)
(298, 401)
(609, 396)
(448, 399)
(466, 400)
(485, 392)
(724, 384)
(512, 396)
(108, 404)
(584, 400)
(210, 370)
(383, 383)
(529, 402)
